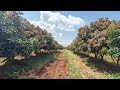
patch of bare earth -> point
(52, 70)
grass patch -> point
(105, 66)
(74, 72)
(12, 69)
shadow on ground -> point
(12, 69)
(100, 65)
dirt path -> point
(85, 71)
(53, 70)
(60, 69)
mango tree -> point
(114, 43)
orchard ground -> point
(59, 64)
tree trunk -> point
(95, 55)
(118, 61)
(101, 56)
(12, 57)
(9, 58)
(113, 59)
(27, 56)
(88, 54)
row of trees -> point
(100, 38)
(19, 37)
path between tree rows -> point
(60, 69)
(53, 70)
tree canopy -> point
(100, 38)
(19, 37)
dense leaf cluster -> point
(19, 37)
(100, 38)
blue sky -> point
(70, 21)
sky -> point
(64, 25)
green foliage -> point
(16, 68)
(8, 36)
(101, 37)
(115, 52)
(103, 51)
(25, 46)
(114, 44)
(19, 37)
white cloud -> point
(60, 35)
(49, 27)
(60, 21)
(54, 22)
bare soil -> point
(52, 70)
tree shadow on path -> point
(100, 65)
(12, 69)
